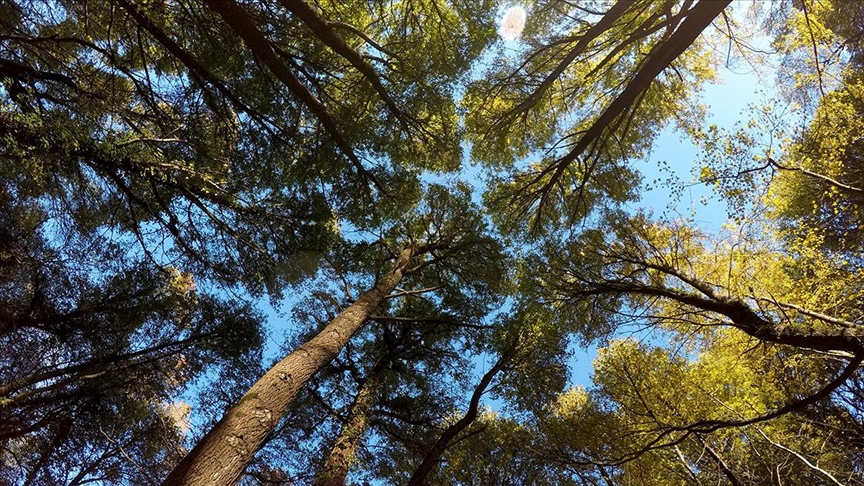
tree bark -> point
(335, 469)
(221, 456)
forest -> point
(366, 242)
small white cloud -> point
(512, 23)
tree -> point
(95, 342)
(644, 265)
(130, 121)
(820, 178)
(401, 373)
(498, 450)
(591, 93)
(638, 429)
(782, 281)
(165, 163)
(201, 140)
(446, 232)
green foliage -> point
(529, 111)
(416, 349)
(110, 344)
(826, 198)
(499, 451)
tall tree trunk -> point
(335, 469)
(221, 456)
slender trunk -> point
(244, 26)
(335, 469)
(602, 26)
(221, 456)
(324, 31)
(433, 457)
(605, 475)
(724, 468)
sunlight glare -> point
(512, 23)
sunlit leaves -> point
(819, 187)
(633, 420)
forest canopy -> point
(291, 242)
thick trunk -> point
(220, 457)
(335, 469)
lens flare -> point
(512, 23)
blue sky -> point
(728, 102)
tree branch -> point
(706, 426)
(833, 182)
(433, 456)
(239, 20)
(801, 458)
(698, 19)
(324, 31)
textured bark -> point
(221, 456)
(335, 469)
